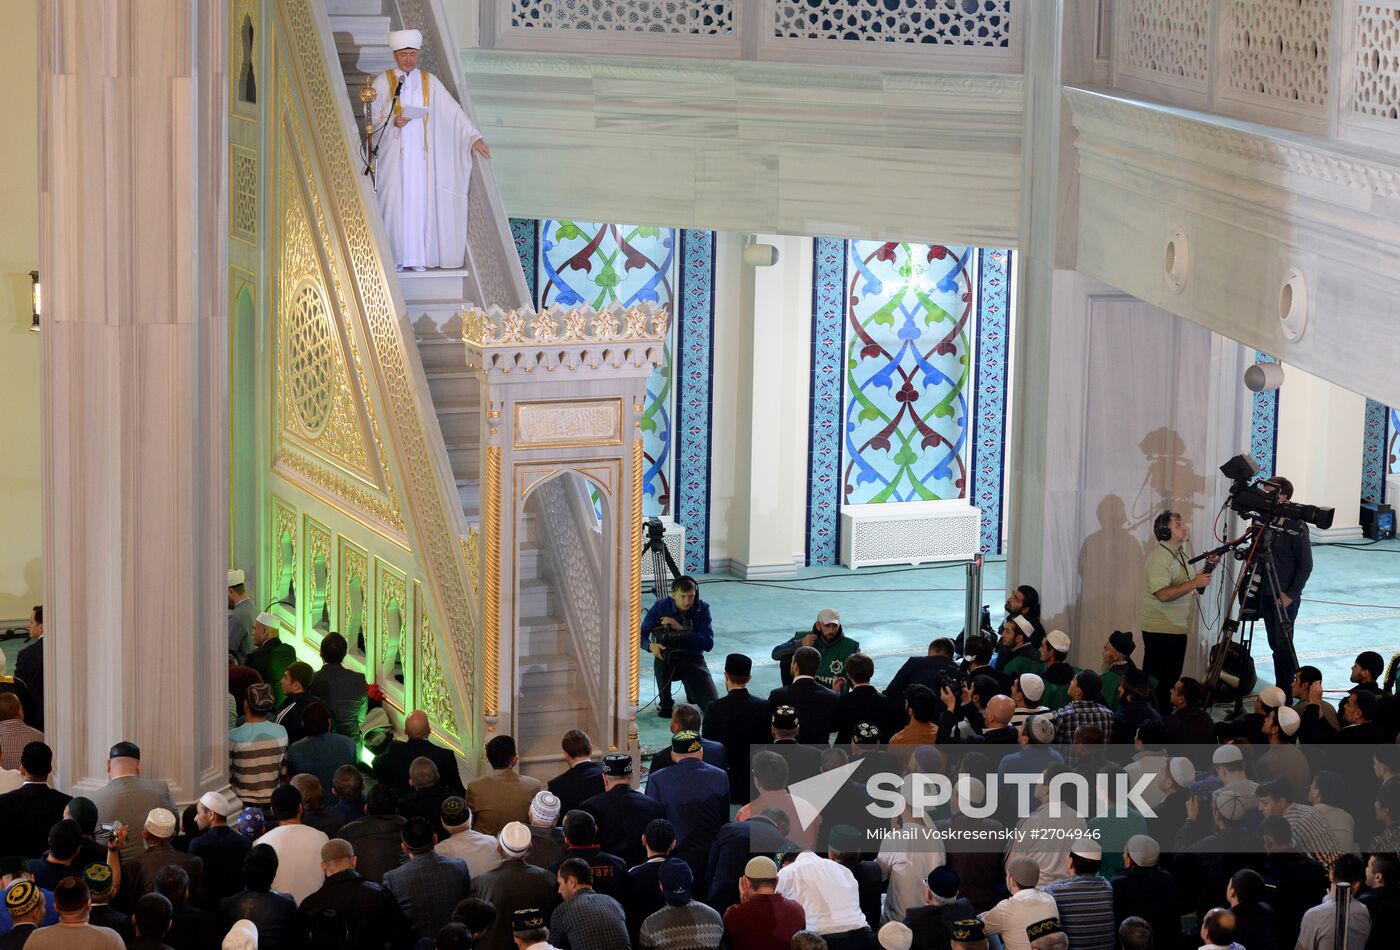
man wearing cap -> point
(502, 795)
(24, 902)
(424, 145)
(687, 717)
(803, 761)
(763, 919)
(1205, 866)
(270, 656)
(814, 702)
(1283, 758)
(943, 906)
(27, 813)
(222, 849)
(140, 873)
(1027, 905)
(29, 667)
(832, 646)
(696, 796)
(1026, 691)
(73, 931)
(1085, 900)
(1117, 662)
(298, 846)
(256, 749)
(512, 886)
(128, 797)
(478, 850)
(684, 922)
(1054, 653)
(620, 810)
(967, 935)
(1143, 889)
(1250, 726)
(1016, 653)
(861, 702)
(583, 778)
(242, 613)
(372, 916)
(528, 927)
(737, 720)
(546, 837)
(429, 885)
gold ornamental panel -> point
(394, 624)
(310, 358)
(243, 172)
(568, 422)
(284, 545)
(429, 679)
(353, 595)
(319, 569)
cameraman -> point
(1168, 610)
(677, 632)
(1292, 554)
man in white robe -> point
(425, 147)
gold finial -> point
(367, 92)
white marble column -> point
(133, 151)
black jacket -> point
(1150, 893)
(1299, 883)
(622, 815)
(734, 844)
(712, 753)
(927, 671)
(193, 929)
(930, 924)
(1293, 563)
(371, 914)
(1254, 926)
(29, 667)
(577, 785)
(865, 703)
(737, 720)
(426, 803)
(273, 913)
(27, 814)
(393, 765)
(815, 705)
(377, 840)
(223, 851)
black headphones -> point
(1162, 526)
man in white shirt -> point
(298, 847)
(830, 897)
(477, 849)
(1044, 839)
(906, 864)
(1027, 905)
(1319, 924)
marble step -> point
(460, 426)
(439, 285)
(360, 29)
(454, 389)
(544, 673)
(442, 355)
(552, 714)
(465, 461)
(540, 635)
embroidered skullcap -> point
(544, 809)
(514, 839)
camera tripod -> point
(663, 567)
(1255, 548)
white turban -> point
(405, 39)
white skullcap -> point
(405, 39)
(828, 615)
(161, 823)
(896, 936)
(1229, 803)
(1273, 697)
(1226, 755)
(1288, 719)
(1032, 686)
(241, 936)
(1144, 851)
(216, 803)
(1042, 729)
(544, 809)
(269, 620)
(1087, 848)
(1023, 624)
(1059, 640)
(1182, 770)
(514, 839)
(235, 577)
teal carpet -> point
(1351, 603)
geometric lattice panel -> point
(673, 17)
(245, 194)
(1376, 70)
(1278, 49)
(925, 534)
(966, 23)
(311, 363)
(1167, 37)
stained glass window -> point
(598, 264)
(909, 316)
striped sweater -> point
(256, 751)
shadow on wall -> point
(1112, 557)
(28, 593)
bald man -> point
(997, 729)
(393, 765)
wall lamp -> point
(34, 299)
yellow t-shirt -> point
(1166, 568)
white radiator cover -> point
(913, 532)
(675, 543)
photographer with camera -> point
(1292, 554)
(677, 633)
(1167, 607)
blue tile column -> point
(1375, 457)
(988, 435)
(695, 347)
(526, 232)
(1263, 435)
(824, 439)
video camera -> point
(1260, 500)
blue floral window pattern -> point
(909, 316)
(598, 264)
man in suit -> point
(686, 718)
(734, 844)
(429, 885)
(29, 667)
(425, 801)
(930, 671)
(737, 720)
(942, 906)
(584, 777)
(696, 796)
(140, 875)
(862, 702)
(803, 761)
(129, 798)
(27, 813)
(503, 795)
(513, 885)
(815, 704)
(621, 810)
(392, 766)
